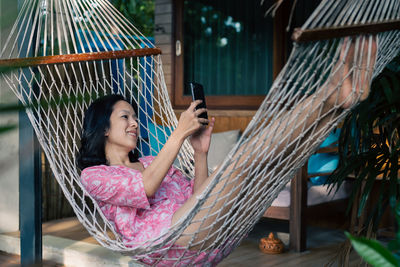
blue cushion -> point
(324, 162)
(318, 180)
(158, 136)
(331, 139)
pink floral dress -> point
(120, 194)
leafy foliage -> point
(376, 254)
(373, 252)
(369, 145)
(139, 12)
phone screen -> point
(198, 93)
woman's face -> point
(123, 130)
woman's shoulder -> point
(146, 160)
(96, 168)
(106, 171)
(100, 170)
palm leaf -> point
(373, 252)
(369, 145)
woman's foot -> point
(353, 72)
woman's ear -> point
(106, 132)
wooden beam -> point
(72, 58)
(30, 194)
(298, 205)
(317, 34)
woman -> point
(144, 197)
(140, 195)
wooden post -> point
(30, 194)
(30, 186)
(298, 204)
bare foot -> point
(351, 80)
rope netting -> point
(305, 103)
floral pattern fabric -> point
(120, 194)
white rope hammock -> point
(61, 49)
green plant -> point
(140, 12)
(375, 253)
(369, 146)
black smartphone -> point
(198, 93)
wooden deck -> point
(8, 260)
(323, 246)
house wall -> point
(9, 163)
(164, 39)
(163, 36)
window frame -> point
(280, 39)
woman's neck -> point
(117, 156)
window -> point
(230, 47)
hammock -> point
(66, 53)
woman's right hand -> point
(189, 122)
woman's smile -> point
(132, 133)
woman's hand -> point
(189, 122)
(201, 139)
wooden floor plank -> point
(9, 260)
(323, 246)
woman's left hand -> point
(201, 139)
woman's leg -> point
(310, 115)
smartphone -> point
(198, 93)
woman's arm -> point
(188, 124)
(201, 143)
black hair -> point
(96, 123)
